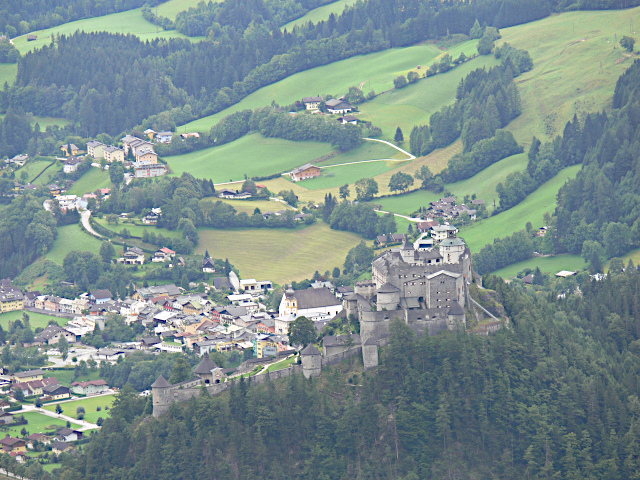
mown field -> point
(92, 180)
(532, 210)
(171, 8)
(66, 376)
(39, 423)
(407, 204)
(71, 237)
(369, 150)
(129, 22)
(335, 79)
(36, 320)
(253, 155)
(347, 174)
(32, 168)
(135, 230)
(90, 405)
(49, 173)
(319, 14)
(548, 265)
(250, 206)
(280, 255)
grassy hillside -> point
(171, 8)
(370, 150)
(49, 173)
(130, 21)
(381, 68)
(340, 175)
(253, 155)
(532, 210)
(8, 73)
(91, 181)
(32, 168)
(250, 206)
(280, 255)
(71, 237)
(318, 14)
(568, 51)
(549, 265)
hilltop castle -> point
(426, 284)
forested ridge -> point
(553, 396)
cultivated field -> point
(549, 265)
(253, 155)
(318, 14)
(129, 22)
(90, 404)
(532, 210)
(35, 319)
(335, 79)
(70, 237)
(280, 255)
(91, 181)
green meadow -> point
(253, 155)
(343, 174)
(407, 204)
(91, 181)
(377, 70)
(172, 8)
(249, 206)
(548, 265)
(32, 168)
(531, 209)
(49, 173)
(129, 22)
(319, 14)
(37, 320)
(280, 255)
(90, 405)
(369, 150)
(71, 237)
(45, 122)
(135, 230)
(39, 423)
(8, 73)
(66, 376)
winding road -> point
(87, 224)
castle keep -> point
(426, 284)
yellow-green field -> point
(71, 237)
(39, 423)
(35, 319)
(32, 168)
(8, 73)
(91, 181)
(129, 22)
(250, 206)
(280, 255)
(549, 265)
(319, 14)
(171, 8)
(90, 405)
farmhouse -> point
(98, 297)
(312, 103)
(56, 392)
(304, 172)
(51, 335)
(338, 106)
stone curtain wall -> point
(338, 357)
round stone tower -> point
(311, 361)
(161, 393)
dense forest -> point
(553, 396)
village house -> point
(29, 298)
(56, 392)
(338, 106)
(164, 137)
(67, 202)
(37, 437)
(34, 387)
(97, 297)
(18, 160)
(208, 266)
(313, 303)
(10, 444)
(251, 285)
(92, 387)
(69, 149)
(58, 447)
(11, 299)
(150, 133)
(113, 154)
(71, 164)
(312, 103)
(163, 255)
(304, 172)
(54, 190)
(190, 135)
(68, 435)
(149, 170)
(348, 119)
(440, 232)
(5, 418)
(133, 256)
(152, 217)
(95, 149)
(28, 376)
(51, 335)
(232, 194)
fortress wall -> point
(332, 360)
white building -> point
(149, 170)
(313, 303)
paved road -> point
(87, 225)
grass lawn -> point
(568, 51)
(171, 8)
(91, 181)
(484, 183)
(550, 265)
(319, 14)
(340, 175)
(287, 362)
(414, 104)
(531, 210)
(135, 230)
(377, 69)
(45, 122)
(35, 319)
(32, 168)
(39, 423)
(90, 404)
(253, 155)
(369, 150)
(407, 204)
(8, 73)
(70, 237)
(280, 255)
(49, 173)
(130, 21)
(65, 375)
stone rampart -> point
(339, 357)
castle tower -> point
(203, 370)
(161, 394)
(451, 249)
(407, 252)
(388, 297)
(311, 361)
(370, 354)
